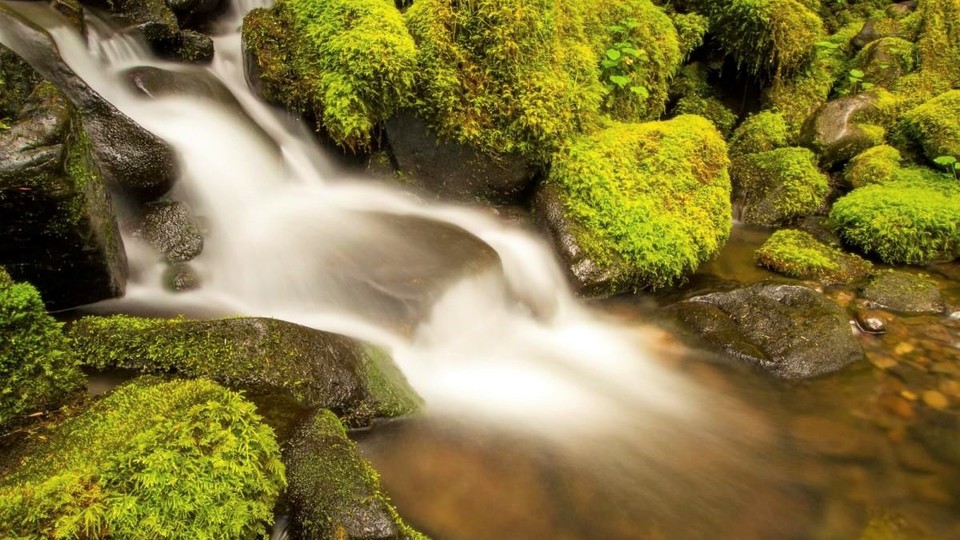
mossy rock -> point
(17, 81)
(691, 28)
(904, 292)
(56, 214)
(835, 130)
(765, 36)
(877, 165)
(184, 459)
(347, 63)
(913, 220)
(760, 132)
(692, 94)
(798, 254)
(37, 368)
(780, 186)
(939, 40)
(261, 356)
(884, 61)
(639, 205)
(334, 492)
(935, 126)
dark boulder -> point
(138, 163)
(193, 13)
(788, 331)
(169, 226)
(833, 132)
(452, 170)
(17, 81)
(57, 225)
(180, 277)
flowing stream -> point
(475, 310)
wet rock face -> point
(136, 162)
(904, 292)
(788, 331)
(453, 170)
(57, 225)
(171, 229)
(833, 133)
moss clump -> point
(350, 63)
(761, 132)
(779, 186)
(691, 29)
(913, 220)
(263, 356)
(37, 370)
(939, 42)
(935, 125)
(336, 493)
(875, 165)
(765, 36)
(650, 201)
(692, 94)
(884, 61)
(184, 459)
(798, 254)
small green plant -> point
(856, 82)
(949, 163)
(618, 60)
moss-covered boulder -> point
(37, 369)
(912, 220)
(798, 254)
(875, 165)
(779, 186)
(764, 36)
(835, 133)
(904, 292)
(692, 94)
(788, 331)
(884, 61)
(935, 126)
(760, 132)
(334, 492)
(639, 205)
(183, 459)
(939, 40)
(347, 63)
(57, 224)
(261, 356)
(17, 81)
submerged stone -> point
(171, 229)
(798, 254)
(904, 292)
(788, 331)
(261, 356)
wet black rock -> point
(191, 81)
(451, 170)
(833, 132)
(788, 331)
(57, 225)
(192, 13)
(873, 30)
(903, 292)
(133, 160)
(180, 277)
(193, 47)
(169, 226)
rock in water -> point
(171, 229)
(904, 292)
(134, 160)
(57, 225)
(789, 331)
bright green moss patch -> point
(876, 165)
(183, 459)
(761, 132)
(935, 125)
(37, 370)
(913, 220)
(651, 200)
(779, 186)
(349, 62)
(939, 42)
(798, 254)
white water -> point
(295, 238)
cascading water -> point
(294, 237)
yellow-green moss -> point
(183, 459)
(912, 220)
(876, 165)
(935, 125)
(692, 94)
(653, 199)
(760, 132)
(691, 29)
(939, 42)
(882, 63)
(779, 186)
(350, 63)
(798, 254)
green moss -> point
(779, 186)
(350, 63)
(335, 491)
(798, 254)
(152, 460)
(710, 108)
(876, 165)
(37, 370)
(939, 42)
(935, 125)
(691, 29)
(765, 36)
(883, 62)
(913, 220)
(652, 200)
(761, 132)
(17, 81)
(263, 356)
